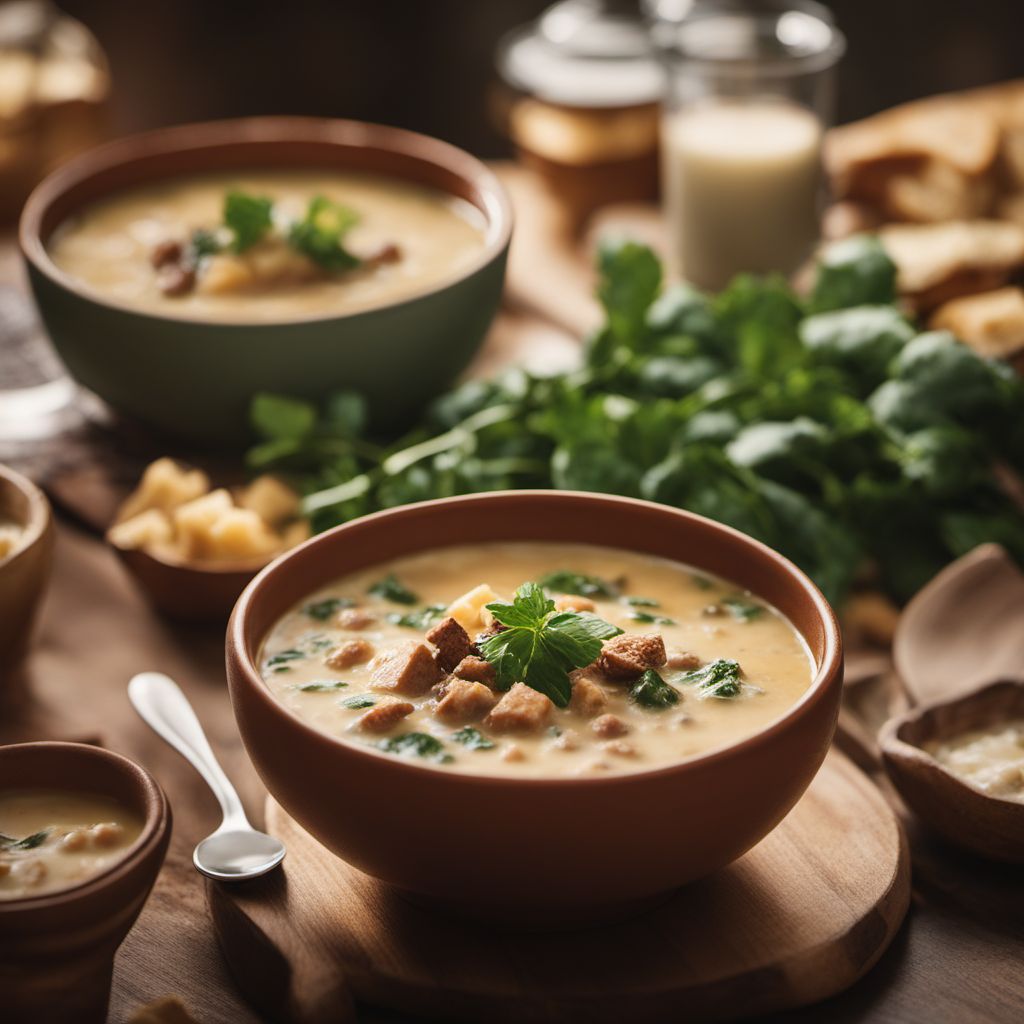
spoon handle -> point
(161, 703)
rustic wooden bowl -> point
(189, 592)
(57, 949)
(486, 844)
(23, 576)
(988, 825)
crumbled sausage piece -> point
(683, 660)
(106, 833)
(574, 603)
(385, 715)
(567, 739)
(166, 252)
(475, 669)
(407, 668)
(452, 643)
(355, 618)
(588, 697)
(619, 748)
(388, 253)
(522, 708)
(76, 839)
(351, 652)
(609, 725)
(465, 701)
(630, 655)
(512, 753)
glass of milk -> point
(750, 89)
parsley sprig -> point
(540, 646)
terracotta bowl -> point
(989, 825)
(195, 378)
(57, 949)
(534, 850)
(24, 574)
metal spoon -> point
(236, 851)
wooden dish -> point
(486, 844)
(57, 949)
(988, 825)
(24, 574)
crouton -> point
(384, 715)
(469, 611)
(148, 529)
(588, 697)
(351, 652)
(629, 656)
(355, 618)
(521, 709)
(273, 501)
(465, 701)
(452, 643)
(609, 725)
(408, 668)
(475, 669)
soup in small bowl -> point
(83, 834)
(457, 695)
(183, 271)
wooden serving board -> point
(799, 918)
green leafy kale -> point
(28, 843)
(641, 602)
(392, 589)
(358, 701)
(651, 691)
(661, 620)
(279, 662)
(416, 744)
(718, 678)
(323, 609)
(742, 608)
(541, 646)
(321, 232)
(248, 217)
(422, 618)
(321, 686)
(472, 739)
(563, 581)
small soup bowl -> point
(57, 949)
(991, 826)
(534, 851)
(195, 378)
(25, 572)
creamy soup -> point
(53, 839)
(167, 248)
(622, 662)
(991, 760)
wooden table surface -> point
(959, 957)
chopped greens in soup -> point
(535, 660)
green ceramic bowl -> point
(194, 379)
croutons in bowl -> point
(549, 746)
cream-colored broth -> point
(84, 835)
(108, 246)
(991, 760)
(776, 664)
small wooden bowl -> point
(189, 592)
(987, 825)
(23, 575)
(57, 949)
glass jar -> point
(749, 94)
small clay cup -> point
(991, 826)
(23, 574)
(57, 949)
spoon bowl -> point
(230, 856)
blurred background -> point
(429, 64)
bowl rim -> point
(894, 746)
(154, 827)
(38, 518)
(826, 674)
(272, 131)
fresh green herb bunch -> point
(827, 427)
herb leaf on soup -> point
(472, 739)
(651, 691)
(249, 218)
(391, 589)
(324, 609)
(28, 843)
(421, 619)
(321, 686)
(416, 744)
(358, 701)
(540, 646)
(642, 602)
(718, 678)
(660, 620)
(320, 234)
(279, 662)
(563, 581)
(741, 608)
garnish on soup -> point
(526, 679)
